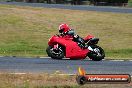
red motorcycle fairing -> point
(72, 50)
(88, 37)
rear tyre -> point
(97, 54)
(57, 53)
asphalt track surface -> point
(48, 65)
(74, 7)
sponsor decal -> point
(83, 78)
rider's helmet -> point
(63, 28)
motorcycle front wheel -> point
(57, 53)
(97, 54)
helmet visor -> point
(61, 30)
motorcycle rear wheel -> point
(55, 54)
(96, 56)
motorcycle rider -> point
(65, 30)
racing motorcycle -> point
(63, 46)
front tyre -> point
(57, 53)
(97, 54)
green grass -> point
(130, 3)
(24, 31)
(120, 54)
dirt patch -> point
(48, 80)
